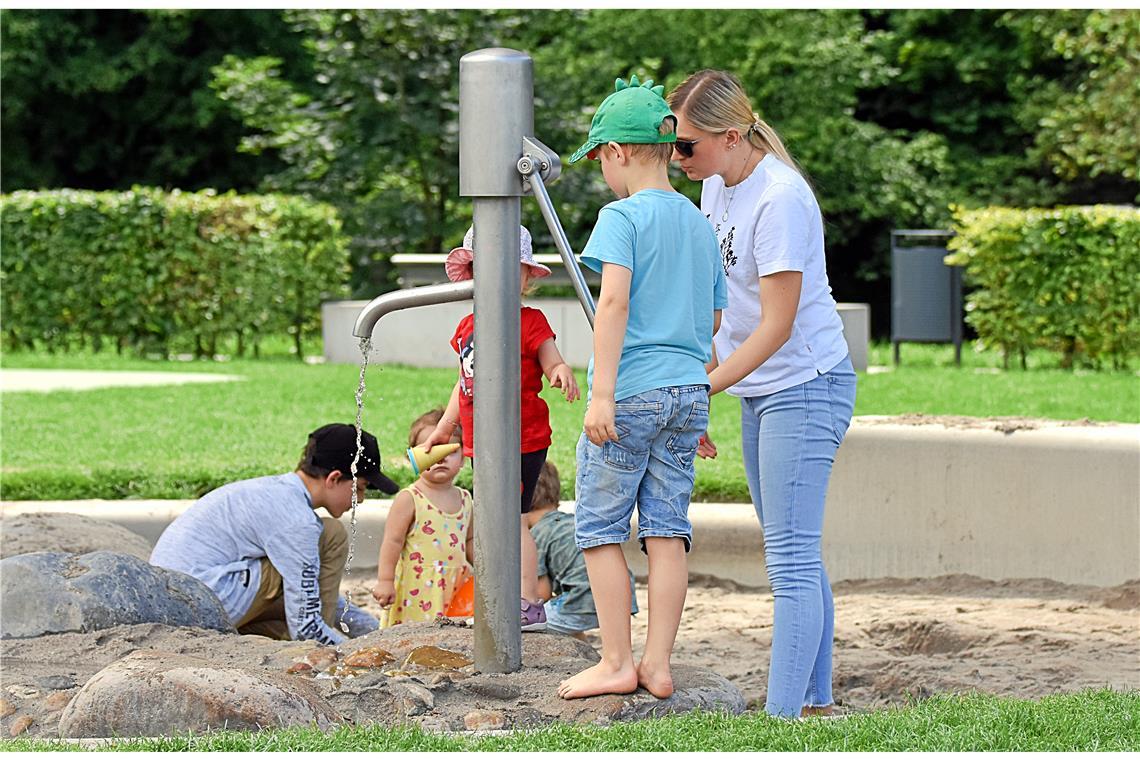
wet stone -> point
(436, 658)
(484, 720)
(322, 658)
(369, 657)
(300, 667)
(20, 725)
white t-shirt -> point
(773, 225)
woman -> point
(781, 351)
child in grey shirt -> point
(561, 566)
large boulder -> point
(56, 592)
(67, 532)
(154, 693)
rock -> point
(366, 705)
(56, 682)
(154, 693)
(369, 657)
(20, 725)
(322, 658)
(493, 690)
(300, 667)
(56, 592)
(436, 659)
(694, 689)
(484, 720)
(6, 708)
(67, 532)
(57, 701)
(417, 699)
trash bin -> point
(926, 293)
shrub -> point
(1064, 279)
(152, 271)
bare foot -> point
(657, 681)
(599, 679)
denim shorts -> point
(650, 465)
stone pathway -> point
(46, 380)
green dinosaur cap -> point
(632, 114)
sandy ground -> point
(899, 638)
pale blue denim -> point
(650, 466)
(789, 440)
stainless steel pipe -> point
(496, 109)
(406, 299)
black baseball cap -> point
(335, 448)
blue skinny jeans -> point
(790, 439)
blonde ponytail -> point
(714, 101)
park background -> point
(182, 189)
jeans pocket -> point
(636, 424)
(683, 444)
(841, 395)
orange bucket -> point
(463, 600)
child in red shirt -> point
(540, 357)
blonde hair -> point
(659, 153)
(548, 489)
(714, 101)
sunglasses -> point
(685, 147)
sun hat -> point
(631, 114)
(335, 448)
(458, 265)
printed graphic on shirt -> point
(467, 365)
(727, 255)
(311, 623)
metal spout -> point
(406, 299)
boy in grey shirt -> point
(260, 546)
(561, 566)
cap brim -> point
(382, 482)
(581, 152)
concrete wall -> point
(906, 501)
(419, 337)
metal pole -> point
(496, 109)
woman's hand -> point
(384, 592)
(706, 449)
(599, 422)
(562, 377)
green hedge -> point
(1064, 279)
(152, 271)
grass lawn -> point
(181, 441)
(1089, 721)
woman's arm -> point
(400, 517)
(779, 301)
(610, 321)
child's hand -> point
(441, 434)
(563, 377)
(384, 592)
(599, 422)
(706, 449)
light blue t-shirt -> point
(678, 280)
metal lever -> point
(539, 161)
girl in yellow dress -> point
(428, 542)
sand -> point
(902, 638)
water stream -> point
(365, 347)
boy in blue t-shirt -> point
(662, 290)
